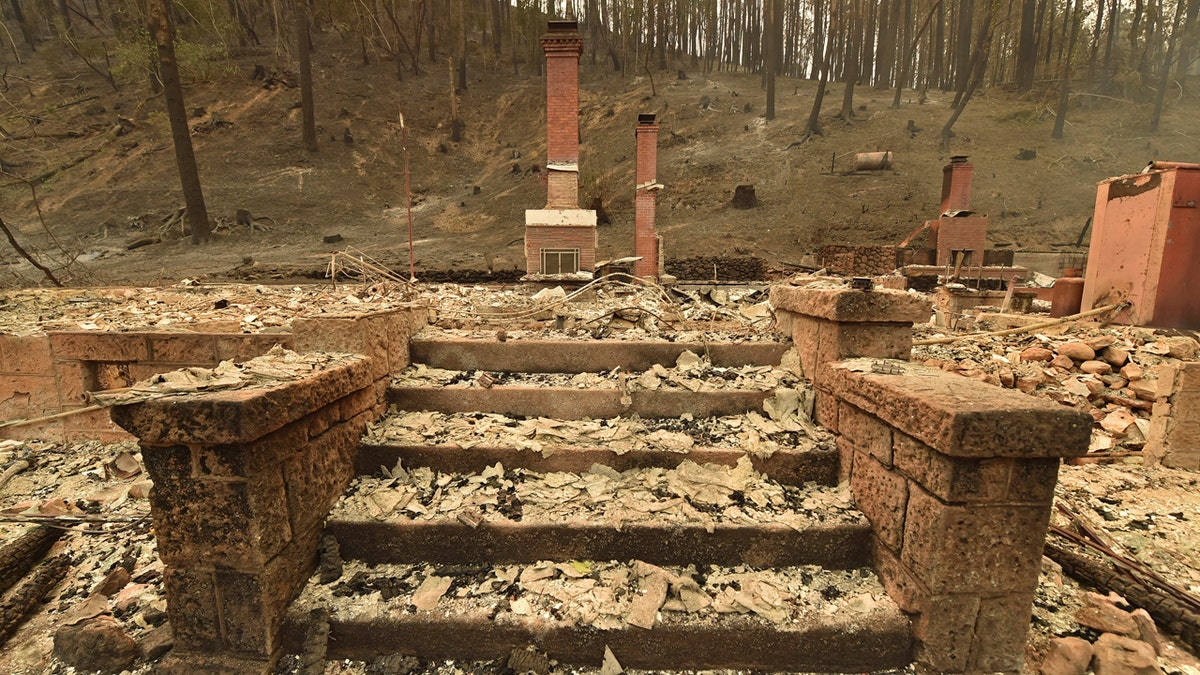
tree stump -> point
(744, 198)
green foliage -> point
(136, 57)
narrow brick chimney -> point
(956, 184)
(645, 241)
(562, 45)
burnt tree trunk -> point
(23, 24)
(158, 21)
(307, 112)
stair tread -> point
(703, 377)
(607, 595)
(754, 432)
(703, 495)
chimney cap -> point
(562, 26)
(645, 118)
(958, 159)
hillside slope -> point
(470, 196)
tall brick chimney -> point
(956, 184)
(562, 45)
(645, 240)
(560, 240)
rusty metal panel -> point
(1122, 245)
(1177, 304)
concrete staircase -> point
(567, 501)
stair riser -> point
(565, 403)
(507, 542)
(789, 468)
(549, 356)
(883, 645)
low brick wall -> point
(859, 261)
(243, 480)
(46, 373)
(1174, 438)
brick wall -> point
(538, 237)
(47, 373)
(956, 234)
(858, 261)
(645, 240)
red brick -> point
(882, 497)
(25, 354)
(852, 306)
(976, 548)
(191, 349)
(866, 432)
(98, 346)
(959, 416)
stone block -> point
(1000, 629)
(876, 340)
(25, 354)
(977, 548)
(192, 609)
(253, 604)
(846, 452)
(23, 396)
(958, 416)
(240, 461)
(826, 410)
(366, 334)
(866, 432)
(317, 475)
(806, 336)
(220, 522)
(844, 305)
(1032, 480)
(240, 348)
(192, 349)
(952, 479)
(945, 632)
(98, 346)
(242, 415)
(74, 378)
(901, 584)
(882, 497)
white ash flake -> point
(706, 495)
(756, 434)
(604, 595)
(697, 375)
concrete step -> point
(785, 619)
(583, 356)
(689, 514)
(790, 452)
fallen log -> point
(1170, 615)
(17, 606)
(19, 556)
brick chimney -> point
(956, 184)
(562, 45)
(645, 241)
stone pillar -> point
(828, 321)
(957, 478)
(645, 240)
(562, 45)
(1174, 438)
(243, 479)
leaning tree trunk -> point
(158, 20)
(1165, 75)
(307, 112)
(1064, 98)
(23, 24)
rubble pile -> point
(1111, 372)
